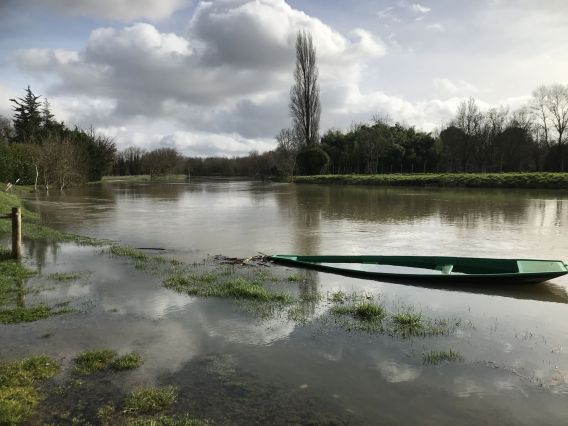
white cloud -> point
(127, 10)
(418, 8)
(6, 93)
(45, 59)
(436, 27)
(229, 77)
(446, 86)
(202, 144)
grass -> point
(207, 285)
(64, 276)
(477, 180)
(295, 278)
(167, 421)
(32, 313)
(437, 357)
(93, 361)
(408, 323)
(105, 414)
(150, 400)
(142, 260)
(360, 312)
(12, 276)
(18, 381)
(128, 361)
(363, 311)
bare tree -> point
(557, 105)
(305, 107)
(539, 108)
(288, 148)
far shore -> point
(464, 180)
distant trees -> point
(305, 107)
(50, 153)
(379, 147)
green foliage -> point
(472, 180)
(18, 380)
(128, 361)
(27, 117)
(150, 400)
(436, 357)
(312, 161)
(92, 361)
(16, 163)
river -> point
(513, 339)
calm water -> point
(257, 371)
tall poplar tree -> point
(305, 107)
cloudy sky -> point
(213, 78)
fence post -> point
(16, 233)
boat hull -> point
(433, 269)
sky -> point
(213, 77)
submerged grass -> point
(93, 361)
(150, 400)
(436, 357)
(64, 276)
(18, 381)
(128, 361)
(359, 312)
(207, 285)
(32, 313)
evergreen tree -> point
(27, 118)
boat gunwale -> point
(526, 277)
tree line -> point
(37, 149)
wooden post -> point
(16, 233)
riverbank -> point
(466, 180)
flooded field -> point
(475, 354)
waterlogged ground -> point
(331, 349)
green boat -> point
(433, 269)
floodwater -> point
(233, 367)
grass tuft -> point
(436, 357)
(296, 278)
(408, 323)
(92, 361)
(128, 361)
(150, 400)
(205, 285)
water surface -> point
(513, 339)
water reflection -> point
(373, 376)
